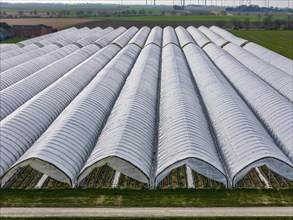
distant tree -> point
(68, 13)
(48, 13)
(277, 24)
(236, 22)
(141, 12)
(4, 13)
(133, 12)
(267, 22)
(35, 12)
(246, 23)
(31, 13)
(150, 12)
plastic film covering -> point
(260, 97)
(7, 47)
(169, 36)
(36, 39)
(183, 36)
(23, 127)
(24, 70)
(184, 136)
(141, 36)
(155, 37)
(122, 40)
(279, 61)
(76, 37)
(18, 51)
(243, 141)
(198, 36)
(59, 37)
(17, 94)
(93, 37)
(22, 58)
(107, 39)
(228, 36)
(126, 142)
(217, 39)
(279, 80)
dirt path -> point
(147, 212)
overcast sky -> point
(277, 3)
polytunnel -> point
(263, 100)
(198, 36)
(65, 146)
(276, 78)
(155, 37)
(243, 141)
(169, 36)
(228, 36)
(126, 142)
(217, 39)
(15, 74)
(184, 137)
(145, 108)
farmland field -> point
(278, 41)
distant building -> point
(30, 30)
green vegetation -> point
(14, 40)
(146, 218)
(189, 18)
(278, 41)
(145, 198)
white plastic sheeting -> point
(274, 111)
(125, 38)
(279, 61)
(184, 136)
(7, 47)
(17, 94)
(217, 39)
(126, 142)
(24, 126)
(47, 36)
(22, 58)
(228, 36)
(18, 51)
(141, 36)
(198, 36)
(93, 37)
(76, 37)
(105, 40)
(155, 37)
(243, 141)
(169, 36)
(24, 70)
(275, 77)
(59, 37)
(183, 36)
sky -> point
(275, 3)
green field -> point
(145, 198)
(14, 40)
(188, 18)
(278, 41)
